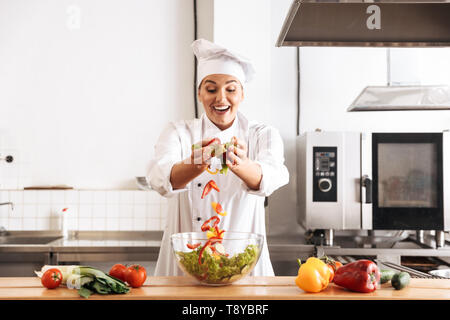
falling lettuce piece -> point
(224, 169)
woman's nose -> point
(221, 96)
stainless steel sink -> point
(29, 237)
(27, 240)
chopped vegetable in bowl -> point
(211, 264)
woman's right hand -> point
(201, 156)
(185, 171)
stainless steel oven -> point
(374, 181)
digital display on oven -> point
(324, 174)
(324, 164)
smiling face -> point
(221, 95)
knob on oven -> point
(325, 184)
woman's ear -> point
(198, 91)
(198, 95)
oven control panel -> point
(324, 174)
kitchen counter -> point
(250, 288)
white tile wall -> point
(87, 209)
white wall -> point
(87, 86)
(283, 115)
(242, 26)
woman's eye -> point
(231, 89)
(211, 90)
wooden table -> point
(250, 288)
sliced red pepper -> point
(214, 185)
(193, 246)
(214, 140)
(216, 222)
(209, 186)
(206, 190)
(215, 239)
(205, 225)
(219, 233)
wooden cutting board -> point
(250, 288)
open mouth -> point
(221, 109)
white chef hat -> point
(215, 59)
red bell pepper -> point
(360, 276)
(209, 186)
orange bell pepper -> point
(218, 209)
(313, 275)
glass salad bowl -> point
(217, 262)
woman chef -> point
(256, 162)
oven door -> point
(407, 171)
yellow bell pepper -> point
(214, 233)
(313, 275)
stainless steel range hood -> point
(375, 23)
(379, 23)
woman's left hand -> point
(238, 162)
(237, 154)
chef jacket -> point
(245, 207)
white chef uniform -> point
(245, 207)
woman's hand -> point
(201, 157)
(185, 171)
(238, 162)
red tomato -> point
(51, 278)
(136, 275)
(118, 271)
(332, 271)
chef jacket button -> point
(199, 185)
(199, 219)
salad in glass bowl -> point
(217, 261)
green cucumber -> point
(400, 280)
(386, 275)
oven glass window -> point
(407, 175)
